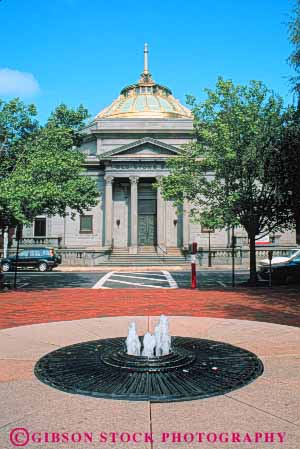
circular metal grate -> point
(195, 369)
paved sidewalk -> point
(265, 407)
(148, 268)
(281, 305)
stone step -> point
(144, 256)
(120, 251)
(145, 259)
(174, 251)
(148, 250)
(148, 261)
(143, 264)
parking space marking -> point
(135, 283)
(140, 277)
(153, 273)
(102, 281)
(170, 279)
(132, 278)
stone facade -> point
(122, 177)
(127, 146)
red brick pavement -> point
(18, 308)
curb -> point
(71, 269)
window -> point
(147, 206)
(24, 253)
(86, 224)
(35, 253)
(40, 227)
(47, 252)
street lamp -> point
(270, 257)
(208, 231)
(233, 244)
(209, 249)
(18, 238)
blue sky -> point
(76, 51)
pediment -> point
(146, 147)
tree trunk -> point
(253, 275)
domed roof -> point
(146, 99)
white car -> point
(281, 259)
(283, 268)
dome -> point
(145, 99)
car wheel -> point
(43, 266)
(5, 267)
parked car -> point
(284, 268)
(42, 258)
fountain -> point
(156, 367)
(148, 345)
(133, 343)
(161, 340)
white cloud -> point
(14, 82)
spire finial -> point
(146, 79)
(146, 71)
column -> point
(186, 224)
(134, 214)
(108, 210)
(161, 219)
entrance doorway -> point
(147, 222)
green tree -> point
(230, 174)
(291, 142)
(71, 119)
(17, 125)
(41, 170)
(294, 58)
(289, 163)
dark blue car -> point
(42, 258)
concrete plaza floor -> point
(269, 404)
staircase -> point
(146, 256)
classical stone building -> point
(127, 146)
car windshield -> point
(293, 252)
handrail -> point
(164, 251)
